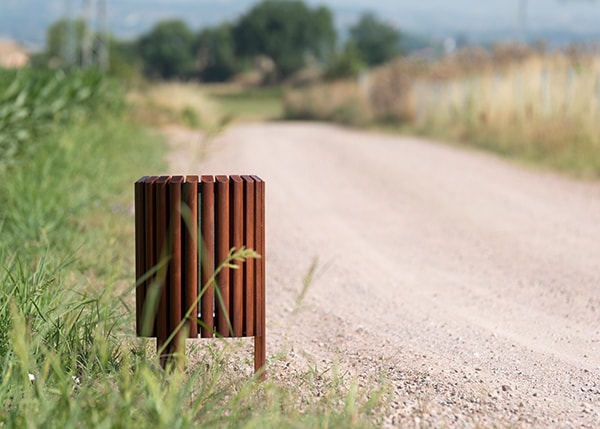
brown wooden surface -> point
(237, 275)
(222, 242)
(249, 284)
(190, 253)
(151, 251)
(260, 334)
(208, 254)
(140, 257)
(174, 287)
(162, 224)
(228, 212)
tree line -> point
(283, 36)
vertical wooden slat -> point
(140, 257)
(263, 277)
(162, 223)
(190, 253)
(149, 326)
(207, 230)
(260, 333)
(174, 288)
(236, 208)
(222, 245)
(249, 284)
(228, 212)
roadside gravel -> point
(470, 285)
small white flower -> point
(31, 377)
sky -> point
(477, 19)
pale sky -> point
(440, 18)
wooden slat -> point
(140, 257)
(207, 230)
(150, 251)
(190, 253)
(228, 213)
(175, 264)
(260, 299)
(222, 245)
(162, 223)
(237, 235)
(249, 284)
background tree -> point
(345, 64)
(216, 53)
(125, 62)
(376, 41)
(167, 51)
(286, 31)
(64, 41)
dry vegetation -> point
(514, 100)
(167, 103)
(344, 102)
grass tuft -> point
(68, 352)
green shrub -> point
(341, 102)
(32, 101)
(345, 65)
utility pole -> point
(86, 43)
(103, 54)
(522, 19)
(69, 42)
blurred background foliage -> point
(287, 59)
(33, 101)
(275, 38)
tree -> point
(376, 41)
(286, 31)
(64, 41)
(345, 64)
(216, 53)
(167, 51)
(125, 63)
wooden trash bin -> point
(185, 228)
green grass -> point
(248, 104)
(66, 318)
(32, 101)
(548, 146)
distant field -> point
(204, 106)
(540, 108)
(247, 104)
(543, 110)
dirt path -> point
(473, 285)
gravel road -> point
(470, 284)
